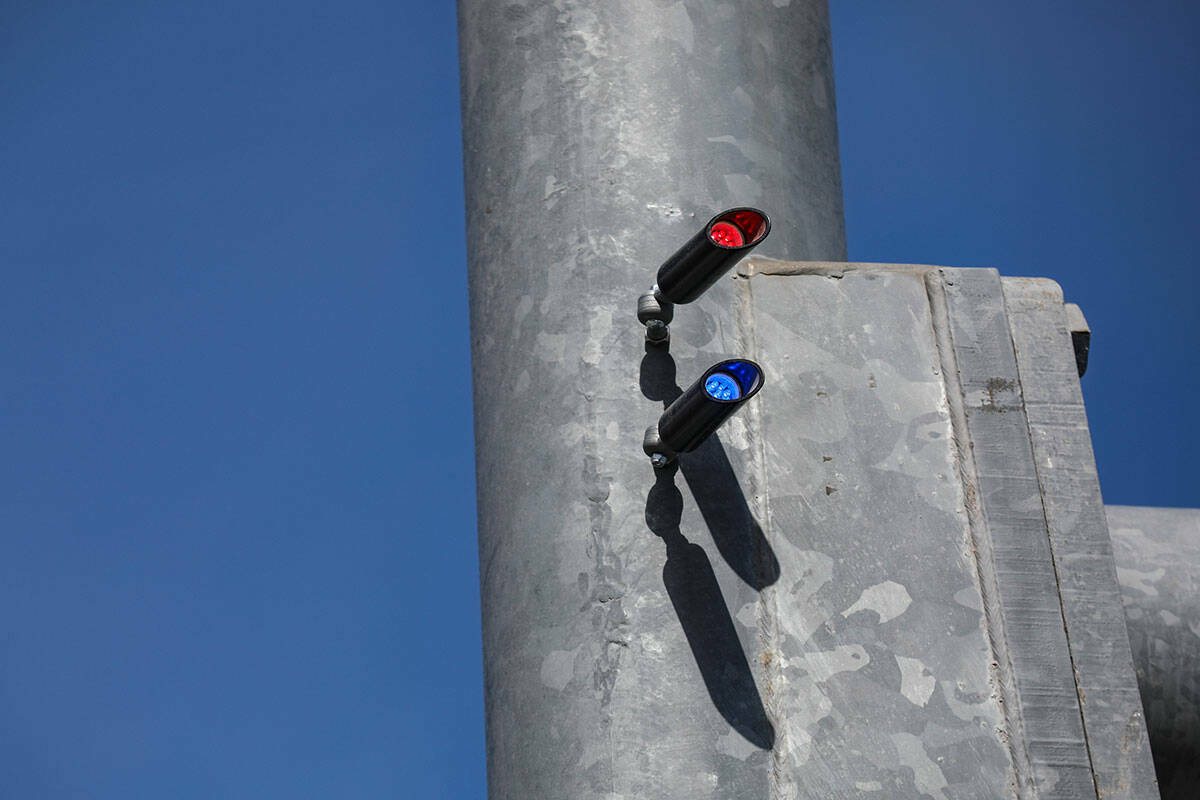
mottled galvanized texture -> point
(597, 138)
(1091, 602)
(1158, 565)
(876, 652)
(1014, 549)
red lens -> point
(741, 227)
(751, 223)
(726, 234)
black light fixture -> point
(701, 409)
(726, 239)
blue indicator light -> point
(747, 374)
(722, 386)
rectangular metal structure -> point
(920, 575)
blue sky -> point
(237, 546)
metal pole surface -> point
(1158, 560)
(597, 137)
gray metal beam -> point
(880, 661)
(1045, 340)
(1010, 535)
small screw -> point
(658, 460)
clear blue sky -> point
(237, 546)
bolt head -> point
(657, 330)
(658, 460)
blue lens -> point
(722, 386)
(746, 373)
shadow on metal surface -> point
(696, 596)
(713, 484)
(1178, 772)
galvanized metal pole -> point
(597, 137)
(1157, 554)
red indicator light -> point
(726, 234)
(751, 222)
(741, 227)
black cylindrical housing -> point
(725, 240)
(708, 402)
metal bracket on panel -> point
(656, 312)
(652, 445)
(1081, 336)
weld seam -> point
(780, 784)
